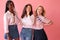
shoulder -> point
(42, 17)
(32, 16)
(6, 14)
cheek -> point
(38, 11)
(41, 11)
(10, 7)
(28, 9)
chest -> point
(11, 17)
(27, 20)
(39, 21)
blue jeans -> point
(26, 34)
(5, 36)
(13, 31)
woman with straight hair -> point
(10, 22)
(27, 22)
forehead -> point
(11, 3)
(29, 6)
(39, 8)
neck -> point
(12, 12)
(39, 15)
(27, 13)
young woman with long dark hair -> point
(26, 18)
(10, 22)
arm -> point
(50, 22)
(19, 20)
(5, 24)
(46, 21)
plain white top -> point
(9, 19)
(27, 21)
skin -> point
(11, 9)
(28, 10)
(39, 11)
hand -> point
(7, 31)
(50, 23)
(7, 35)
(34, 14)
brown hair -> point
(24, 11)
(7, 4)
(43, 11)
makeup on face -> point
(39, 10)
(28, 9)
(11, 6)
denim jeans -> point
(26, 34)
(5, 36)
(13, 31)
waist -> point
(25, 26)
(39, 30)
(12, 24)
(38, 27)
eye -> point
(11, 4)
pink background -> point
(52, 8)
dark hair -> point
(24, 11)
(43, 11)
(7, 4)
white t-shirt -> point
(9, 19)
(27, 21)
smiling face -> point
(28, 9)
(11, 6)
(39, 10)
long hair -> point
(7, 4)
(43, 11)
(24, 11)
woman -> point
(27, 22)
(10, 22)
(40, 21)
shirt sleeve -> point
(45, 20)
(5, 24)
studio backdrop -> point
(52, 8)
